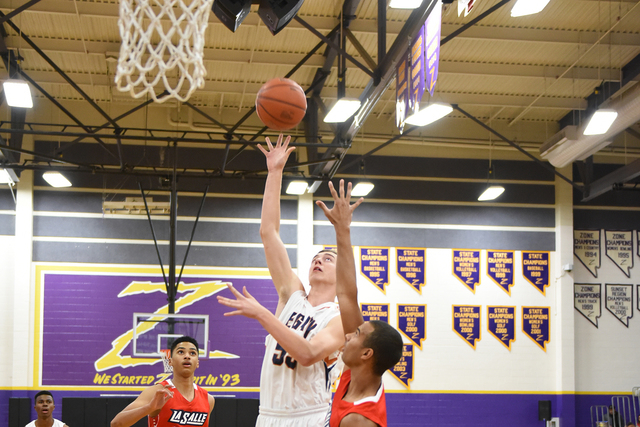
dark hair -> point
(386, 344)
(43, 392)
(329, 250)
(184, 339)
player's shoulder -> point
(356, 420)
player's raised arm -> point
(346, 289)
(284, 279)
(150, 401)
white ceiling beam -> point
(326, 24)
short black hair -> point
(386, 344)
(40, 393)
(184, 339)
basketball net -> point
(166, 355)
(152, 59)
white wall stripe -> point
(445, 227)
(154, 217)
(101, 241)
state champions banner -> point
(501, 323)
(466, 267)
(403, 370)
(374, 265)
(416, 71)
(535, 325)
(411, 267)
(466, 323)
(106, 359)
(432, 31)
(412, 322)
(535, 268)
(375, 312)
(500, 269)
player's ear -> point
(367, 354)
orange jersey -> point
(373, 407)
(178, 411)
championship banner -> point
(374, 265)
(620, 249)
(403, 370)
(466, 267)
(586, 247)
(587, 299)
(535, 324)
(466, 323)
(412, 322)
(618, 300)
(108, 358)
(535, 268)
(501, 323)
(375, 312)
(402, 93)
(432, 30)
(411, 266)
(416, 82)
(500, 269)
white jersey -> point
(288, 389)
(56, 423)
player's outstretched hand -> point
(277, 156)
(342, 211)
(245, 305)
(160, 398)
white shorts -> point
(314, 417)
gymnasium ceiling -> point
(520, 76)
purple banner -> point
(417, 77)
(432, 29)
(402, 92)
(466, 323)
(535, 268)
(466, 267)
(412, 322)
(403, 370)
(96, 309)
(501, 323)
(374, 265)
(500, 269)
(535, 324)
(375, 312)
(411, 266)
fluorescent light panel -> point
(491, 193)
(17, 94)
(342, 110)
(528, 7)
(430, 114)
(600, 122)
(297, 187)
(56, 179)
(362, 189)
(405, 4)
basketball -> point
(281, 104)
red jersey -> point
(373, 407)
(178, 411)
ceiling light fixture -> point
(491, 193)
(528, 7)
(431, 113)
(297, 188)
(600, 122)
(342, 110)
(56, 179)
(405, 4)
(17, 93)
(362, 189)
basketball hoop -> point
(166, 356)
(154, 59)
